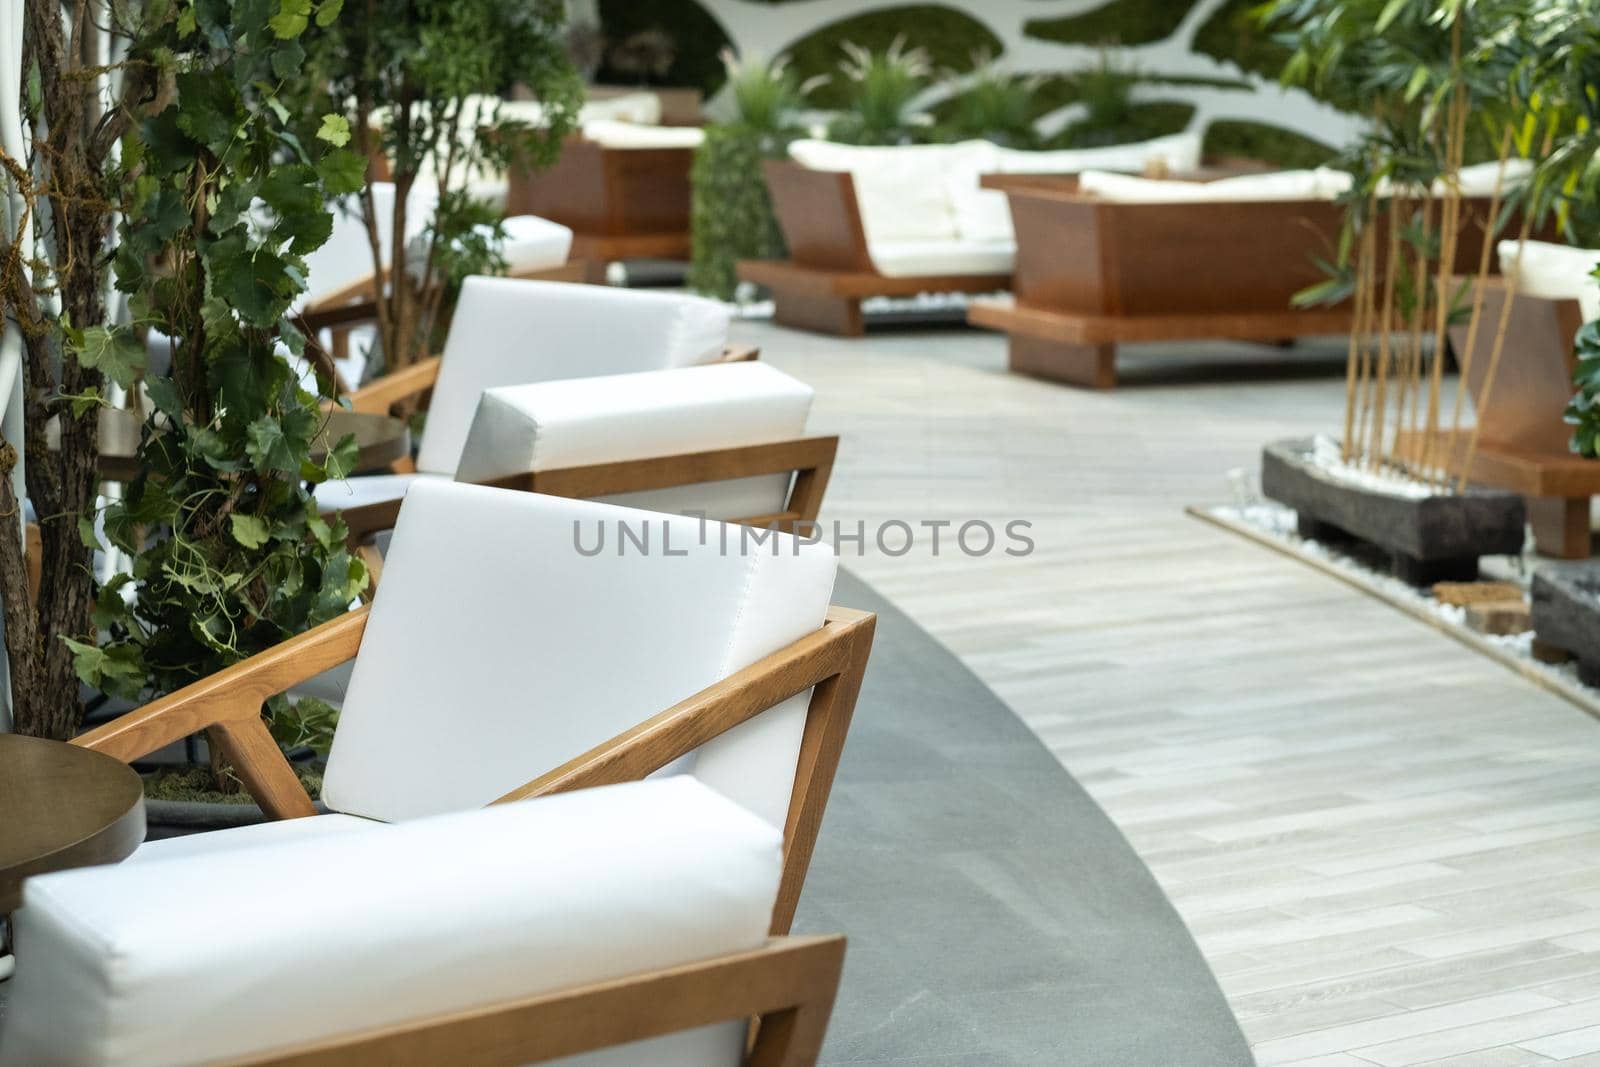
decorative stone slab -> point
(1566, 613)
(1428, 538)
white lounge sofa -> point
(1553, 272)
(416, 943)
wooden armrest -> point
(811, 458)
(337, 316)
(376, 398)
(738, 354)
(819, 215)
(229, 704)
(789, 983)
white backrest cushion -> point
(1280, 185)
(1555, 272)
(497, 650)
(191, 961)
(1179, 153)
(900, 189)
(610, 133)
(509, 331)
(580, 421)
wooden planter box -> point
(1428, 539)
(621, 203)
(829, 272)
(1092, 274)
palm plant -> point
(767, 95)
(883, 89)
(997, 106)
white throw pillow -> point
(1179, 153)
(1554, 272)
(1279, 185)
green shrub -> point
(1270, 144)
(730, 215)
(998, 106)
(1124, 22)
(949, 37)
(881, 88)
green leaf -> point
(209, 108)
(186, 22)
(254, 281)
(112, 350)
(342, 171)
(292, 18)
(335, 129)
(342, 458)
(86, 533)
(249, 530)
(163, 394)
(295, 196)
(328, 13)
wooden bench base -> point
(596, 252)
(1081, 349)
(829, 301)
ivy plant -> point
(224, 201)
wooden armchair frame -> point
(788, 986)
(809, 459)
(830, 661)
(829, 270)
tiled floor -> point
(1388, 847)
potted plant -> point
(731, 215)
(418, 86)
(1436, 77)
(883, 89)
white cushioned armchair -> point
(513, 333)
(507, 657)
(591, 921)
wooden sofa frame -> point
(621, 203)
(1523, 442)
(1092, 274)
(787, 986)
(830, 661)
(829, 271)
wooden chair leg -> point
(1560, 526)
(1089, 366)
(819, 312)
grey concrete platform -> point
(995, 915)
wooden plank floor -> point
(1387, 846)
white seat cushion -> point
(363, 490)
(499, 647)
(641, 108)
(206, 958)
(581, 421)
(255, 835)
(509, 331)
(533, 243)
(609, 133)
(1554, 272)
(1281, 185)
(914, 259)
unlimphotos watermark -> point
(660, 536)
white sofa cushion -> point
(901, 190)
(1279, 185)
(509, 331)
(195, 960)
(1555, 272)
(367, 489)
(913, 259)
(609, 133)
(643, 109)
(581, 421)
(497, 650)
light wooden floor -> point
(1388, 847)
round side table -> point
(61, 806)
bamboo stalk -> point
(1385, 335)
(1448, 242)
(1500, 332)
(1356, 361)
(1463, 384)
(1363, 326)
(1411, 385)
